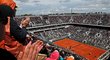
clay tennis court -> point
(87, 51)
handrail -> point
(75, 24)
(105, 55)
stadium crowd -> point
(49, 35)
(93, 36)
(84, 18)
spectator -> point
(45, 50)
(61, 58)
(18, 33)
(15, 31)
(29, 52)
(70, 58)
(24, 23)
(54, 56)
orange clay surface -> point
(84, 50)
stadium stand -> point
(89, 38)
